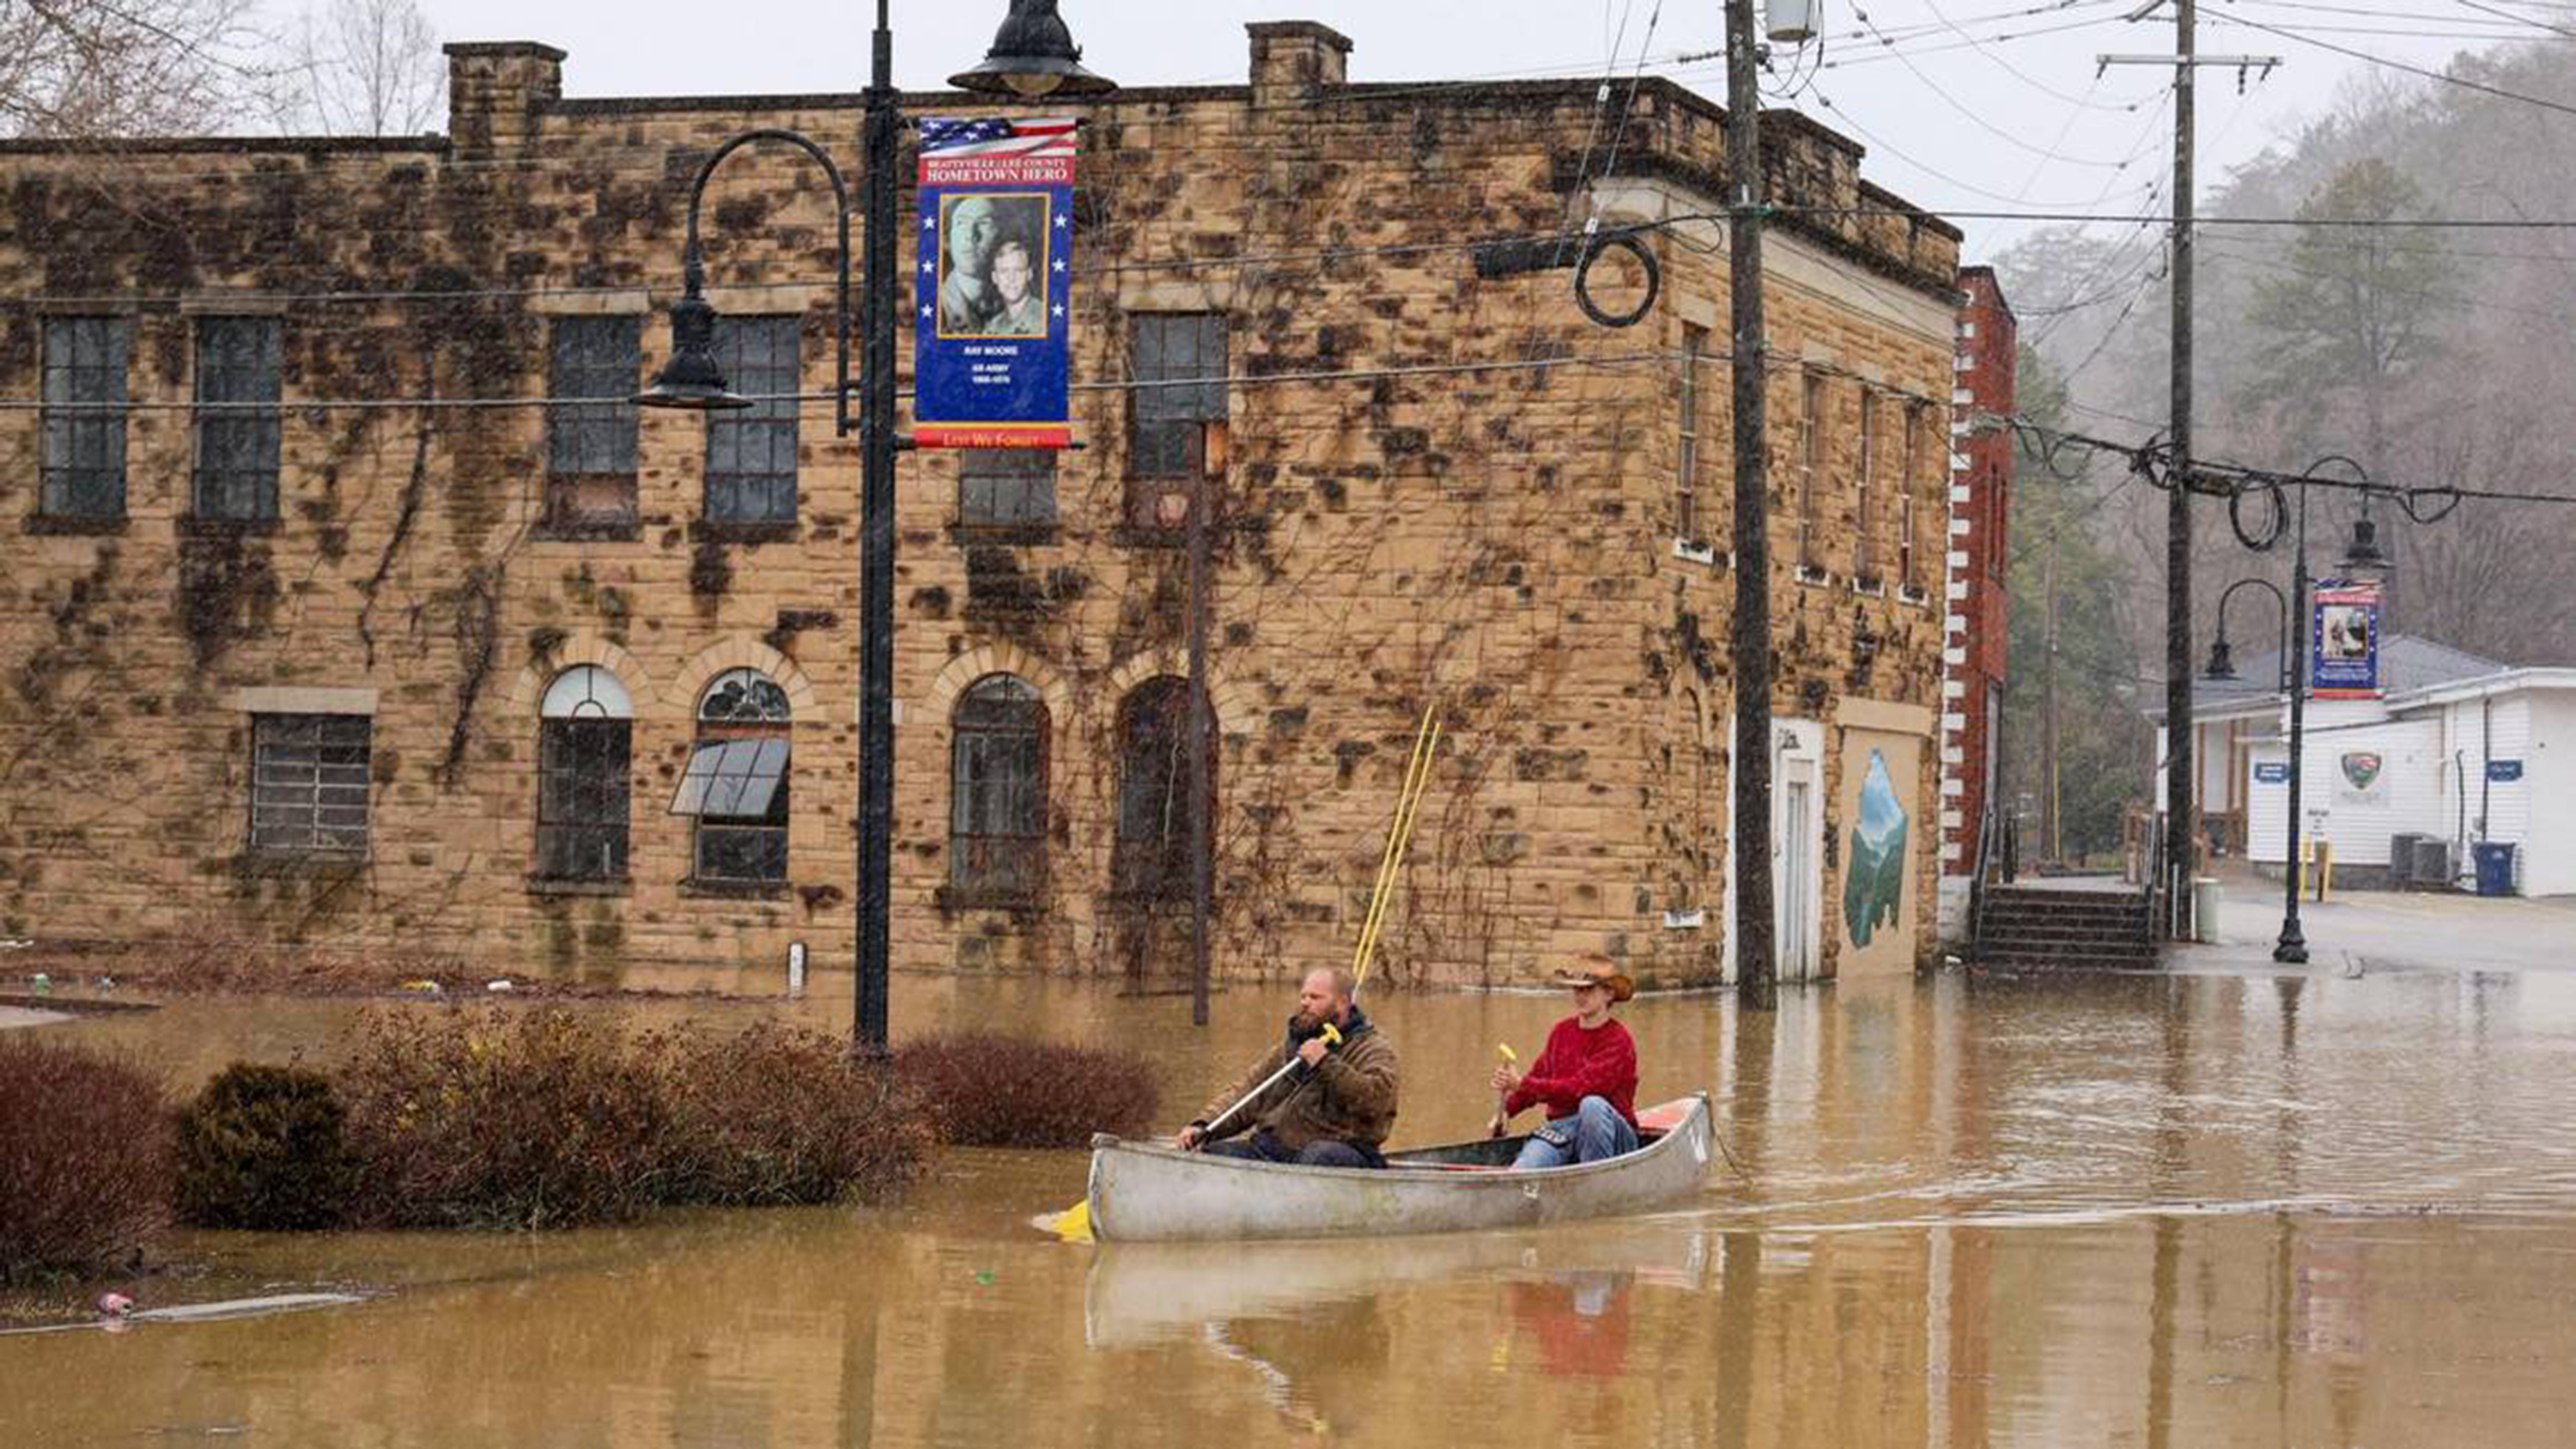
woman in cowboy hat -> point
(1586, 1079)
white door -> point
(1797, 913)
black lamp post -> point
(2363, 555)
(1033, 57)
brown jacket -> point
(1349, 1098)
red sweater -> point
(1577, 1064)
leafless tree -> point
(364, 68)
(91, 69)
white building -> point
(2460, 750)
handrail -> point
(1977, 878)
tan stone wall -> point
(1432, 519)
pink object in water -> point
(115, 1305)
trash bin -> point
(2495, 867)
(2204, 909)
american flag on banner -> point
(1039, 136)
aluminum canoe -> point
(1150, 1192)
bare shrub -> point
(988, 1090)
(84, 1160)
(485, 1119)
(779, 1115)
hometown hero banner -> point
(2345, 640)
(993, 290)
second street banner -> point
(2345, 642)
(993, 290)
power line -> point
(2398, 65)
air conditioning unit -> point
(2401, 860)
(2432, 863)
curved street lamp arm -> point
(2278, 598)
(693, 262)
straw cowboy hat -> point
(1599, 971)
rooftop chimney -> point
(494, 91)
(1293, 59)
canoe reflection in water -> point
(1310, 1319)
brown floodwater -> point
(2152, 1211)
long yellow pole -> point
(1408, 808)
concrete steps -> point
(2029, 929)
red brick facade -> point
(1979, 612)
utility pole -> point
(2182, 825)
(1750, 638)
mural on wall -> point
(1874, 868)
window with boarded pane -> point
(998, 791)
(309, 784)
(585, 746)
(1006, 489)
(1911, 512)
(1152, 855)
(590, 441)
(1811, 465)
(1865, 526)
(736, 782)
(1686, 474)
(84, 396)
(238, 424)
(751, 452)
(1180, 367)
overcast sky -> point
(1964, 105)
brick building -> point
(1980, 619)
(329, 617)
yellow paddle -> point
(1502, 1121)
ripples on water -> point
(2142, 1210)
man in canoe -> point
(1586, 1079)
(1334, 1111)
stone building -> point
(1980, 608)
(331, 616)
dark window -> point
(1169, 425)
(751, 452)
(998, 791)
(1006, 488)
(84, 395)
(585, 746)
(1152, 858)
(736, 783)
(309, 784)
(1686, 473)
(238, 360)
(590, 447)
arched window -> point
(1152, 858)
(736, 784)
(585, 743)
(997, 812)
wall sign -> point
(2344, 641)
(2361, 778)
(2504, 772)
(2271, 774)
(993, 287)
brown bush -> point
(779, 1115)
(490, 1119)
(987, 1090)
(84, 1159)
(541, 1118)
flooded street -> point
(2188, 1211)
